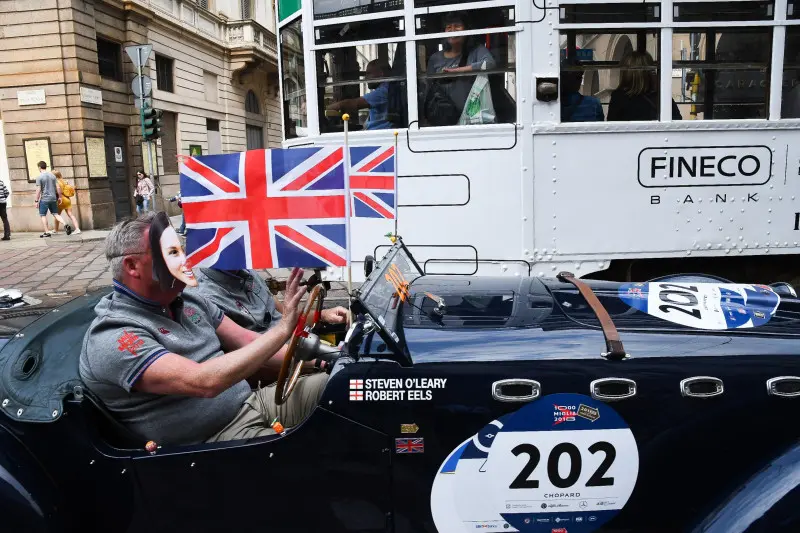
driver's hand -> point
(292, 297)
(336, 315)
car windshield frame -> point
(386, 290)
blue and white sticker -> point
(461, 499)
(713, 306)
(565, 462)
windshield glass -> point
(387, 287)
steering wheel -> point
(293, 365)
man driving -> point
(245, 298)
(170, 365)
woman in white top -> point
(144, 189)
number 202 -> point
(522, 480)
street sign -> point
(139, 54)
(146, 84)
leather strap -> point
(613, 343)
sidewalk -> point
(30, 239)
(24, 240)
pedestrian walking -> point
(143, 192)
(47, 195)
(3, 216)
(64, 202)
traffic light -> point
(152, 122)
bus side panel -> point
(666, 194)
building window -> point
(251, 103)
(164, 73)
(203, 3)
(255, 137)
(214, 139)
(210, 81)
(169, 143)
(247, 9)
(109, 59)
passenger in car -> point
(170, 364)
(576, 107)
(377, 100)
(460, 55)
(636, 97)
(245, 298)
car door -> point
(328, 474)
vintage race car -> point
(455, 404)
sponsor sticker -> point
(711, 306)
(409, 428)
(589, 413)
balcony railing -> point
(233, 34)
(247, 33)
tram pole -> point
(396, 200)
(346, 120)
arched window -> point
(251, 103)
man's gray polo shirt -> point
(242, 295)
(129, 334)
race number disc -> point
(563, 463)
(704, 305)
(460, 498)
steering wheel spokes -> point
(292, 365)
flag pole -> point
(346, 120)
(396, 201)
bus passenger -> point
(459, 55)
(636, 98)
(576, 107)
(377, 100)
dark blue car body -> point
(728, 463)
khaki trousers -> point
(260, 409)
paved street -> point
(77, 264)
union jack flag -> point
(277, 208)
(372, 185)
(409, 445)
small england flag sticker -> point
(356, 389)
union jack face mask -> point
(169, 258)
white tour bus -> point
(617, 139)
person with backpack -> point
(445, 97)
(377, 100)
(4, 194)
(48, 191)
(64, 202)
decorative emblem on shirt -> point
(163, 331)
(192, 314)
(129, 342)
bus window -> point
(479, 19)
(362, 30)
(618, 13)
(609, 76)
(790, 107)
(722, 74)
(466, 79)
(294, 81)
(723, 11)
(368, 82)
(326, 9)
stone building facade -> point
(65, 93)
